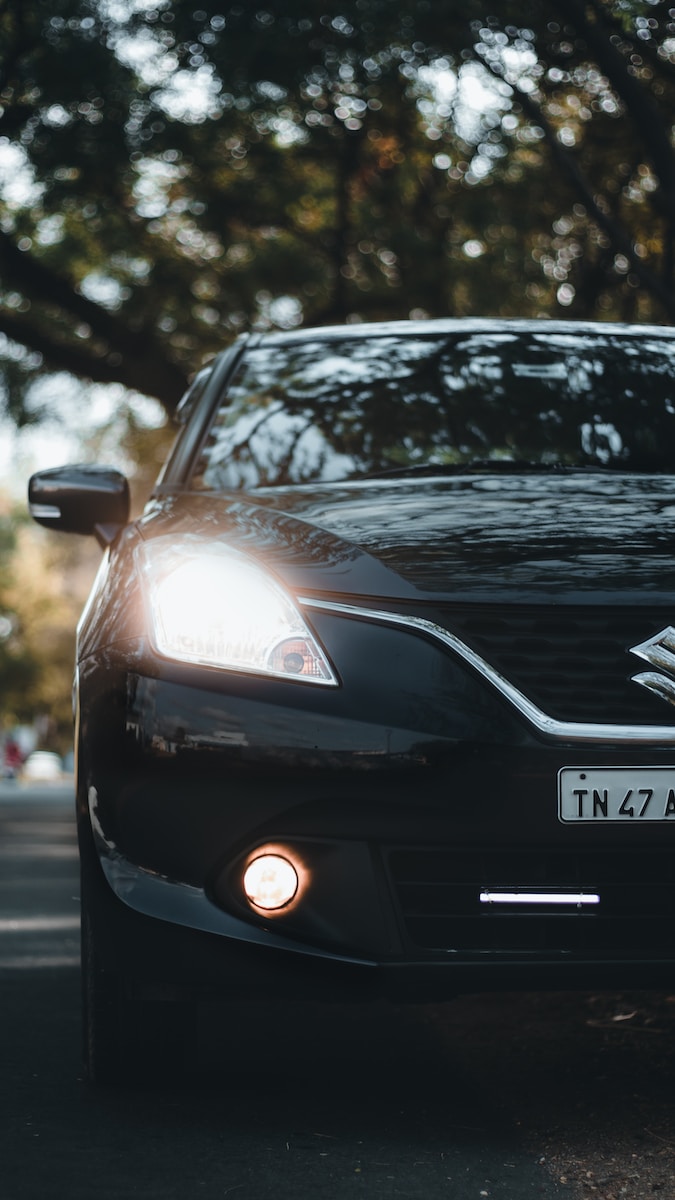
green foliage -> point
(43, 582)
(18, 668)
(200, 170)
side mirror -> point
(80, 499)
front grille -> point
(438, 897)
(573, 663)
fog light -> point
(270, 881)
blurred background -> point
(174, 173)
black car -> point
(376, 697)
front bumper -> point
(402, 801)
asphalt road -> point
(505, 1097)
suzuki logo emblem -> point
(660, 652)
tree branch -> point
(647, 117)
(147, 372)
(646, 50)
(38, 281)
(57, 354)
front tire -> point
(101, 1042)
(130, 1032)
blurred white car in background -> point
(42, 766)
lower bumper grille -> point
(439, 899)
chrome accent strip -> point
(44, 512)
(576, 898)
(576, 732)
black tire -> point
(100, 1012)
(130, 1034)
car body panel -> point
(486, 628)
(576, 537)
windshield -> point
(321, 410)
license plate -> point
(616, 794)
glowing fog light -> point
(270, 881)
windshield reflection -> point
(320, 410)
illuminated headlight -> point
(211, 605)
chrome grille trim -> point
(577, 732)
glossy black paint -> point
(81, 499)
(573, 538)
(416, 759)
(189, 782)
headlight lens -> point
(210, 604)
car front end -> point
(403, 732)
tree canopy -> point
(172, 173)
(40, 594)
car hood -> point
(542, 538)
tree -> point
(44, 581)
(17, 670)
(193, 171)
(601, 98)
